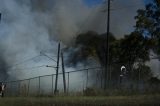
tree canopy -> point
(148, 23)
(130, 50)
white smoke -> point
(29, 27)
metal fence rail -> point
(76, 81)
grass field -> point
(143, 100)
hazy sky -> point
(93, 2)
(121, 16)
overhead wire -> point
(25, 61)
(31, 68)
(22, 62)
(43, 54)
(125, 7)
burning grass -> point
(141, 100)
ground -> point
(141, 100)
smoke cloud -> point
(31, 26)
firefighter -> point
(2, 89)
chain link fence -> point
(76, 81)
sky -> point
(147, 1)
(93, 2)
(122, 15)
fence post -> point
(87, 79)
(110, 77)
(102, 78)
(97, 77)
(28, 87)
(12, 89)
(52, 83)
(68, 83)
(39, 91)
(19, 87)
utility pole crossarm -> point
(51, 66)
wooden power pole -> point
(63, 71)
(56, 81)
(106, 77)
(0, 17)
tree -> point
(148, 23)
(134, 48)
(142, 72)
(130, 50)
(86, 45)
(134, 52)
(90, 44)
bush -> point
(90, 92)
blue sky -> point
(93, 2)
(147, 1)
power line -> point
(31, 68)
(27, 60)
(83, 69)
(22, 62)
(47, 56)
(125, 7)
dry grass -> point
(143, 100)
